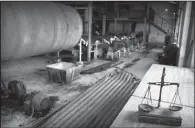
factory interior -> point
(97, 64)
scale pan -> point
(175, 108)
(146, 107)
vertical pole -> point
(115, 24)
(103, 25)
(58, 56)
(117, 9)
(104, 20)
(80, 51)
(181, 23)
(161, 86)
(145, 27)
(184, 40)
(192, 61)
(180, 31)
(86, 21)
(116, 16)
(177, 25)
(96, 49)
(89, 31)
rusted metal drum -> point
(34, 28)
(41, 102)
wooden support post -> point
(103, 25)
(182, 50)
(89, 31)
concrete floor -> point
(32, 72)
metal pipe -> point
(80, 51)
(184, 40)
(34, 28)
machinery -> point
(169, 56)
(167, 116)
(16, 91)
(37, 28)
(37, 103)
(34, 102)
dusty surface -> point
(32, 72)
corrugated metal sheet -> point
(98, 106)
(102, 67)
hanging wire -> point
(144, 95)
(179, 97)
(173, 99)
(147, 95)
(175, 108)
(150, 96)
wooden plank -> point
(183, 76)
(128, 117)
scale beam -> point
(166, 116)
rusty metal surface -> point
(96, 107)
(34, 28)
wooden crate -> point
(63, 72)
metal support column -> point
(89, 31)
(186, 25)
(145, 27)
(181, 23)
(80, 51)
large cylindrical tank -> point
(34, 28)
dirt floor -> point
(32, 72)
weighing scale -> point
(158, 115)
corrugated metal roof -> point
(98, 106)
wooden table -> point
(184, 76)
